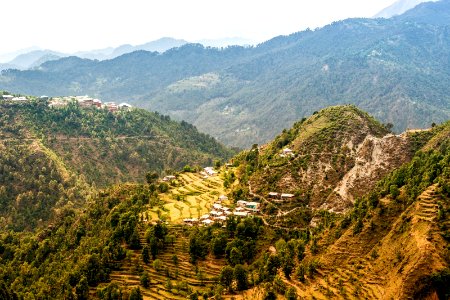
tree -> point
(270, 295)
(217, 164)
(388, 126)
(193, 296)
(394, 191)
(235, 256)
(291, 293)
(157, 264)
(163, 187)
(272, 265)
(231, 225)
(135, 294)
(146, 254)
(153, 245)
(240, 274)
(134, 242)
(151, 177)
(82, 289)
(187, 169)
(358, 226)
(111, 292)
(175, 260)
(145, 279)
(226, 277)
(218, 245)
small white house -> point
(204, 217)
(21, 98)
(8, 97)
(241, 203)
(169, 178)
(210, 171)
(207, 222)
(241, 214)
(217, 206)
(223, 198)
(287, 151)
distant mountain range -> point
(397, 69)
(32, 58)
(399, 7)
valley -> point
(314, 165)
(336, 207)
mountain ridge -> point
(394, 68)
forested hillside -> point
(55, 158)
(391, 241)
(396, 69)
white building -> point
(210, 171)
(8, 97)
(223, 198)
(287, 196)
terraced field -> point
(173, 280)
(191, 198)
(362, 269)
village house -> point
(210, 171)
(273, 195)
(241, 203)
(111, 106)
(125, 106)
(204, 217)
(223, 198)
(169, 178)
(217, 206)
(252, 206)
(97, 103)
(240, 214)
(21, 98)
(287, 196)
(85, 101)
(207, 222)
(248, 206)
(8, 97)
(287, 151)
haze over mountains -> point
(397, 69)
(399, 7)
(28, 59)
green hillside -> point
(52, 159)
(325, 148)
(128, 239)
(109, 147)
(396, 69)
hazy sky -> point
(73, 25)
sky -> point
(78, 25)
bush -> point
(145, 279)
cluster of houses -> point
(280, 197)
(13, 98)
(86, 101)
(219, 212)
